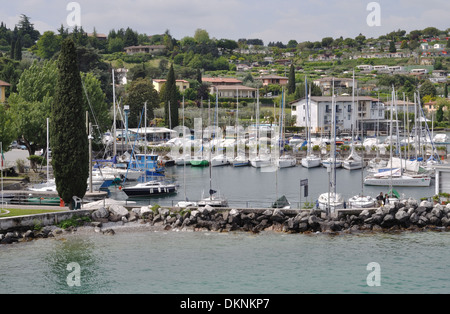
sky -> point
(271, 21)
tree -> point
(427, 89)
(47, 45)
(141, 91)
(392, 48)
(68, 138)
(291, 81)
(18, 50)
(446, 91)
(170, 98)
(7, 130)
(201, 36)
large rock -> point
(118, 210)
(388, 221)
(100, 214)
(402, 216)
(278, 216)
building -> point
(152, 49)
(439, 76)
(181, 84)
(233, 91)
(273, 80)
(154, 134)
(3, 86)
(369, 112)
(341, 85)
(216, 81)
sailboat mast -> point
(114, 110)
(390, 136)
(184, 153)
(333, 162)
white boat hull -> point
(259, 162)
(421, 181)
(334, 202)
(362, 202)
(311, 162)
(352, 164)
(286, 162)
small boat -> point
(331, 201)
(183, 160)
(260, 161)
(311, 161)
(213, 201)
(151, 188)
(362, 201)
(353, 162)
(240, 161)
(199, 161)
(394, 177)
(282, 202)
(328, 162)
(286, 161)
(219, 160)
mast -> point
(184, 153)
(390, 141)
(114, 110)
(353, 111)
(308, 122)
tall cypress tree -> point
(69, 142)
(18, 50)
(171, 97)
(291, 82)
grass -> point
(14, 212)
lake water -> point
(173, 262)
(228, 263)
(251, 187)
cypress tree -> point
(446, 91)
(13, 49)
(18, 50)
(171, 97)
(69, 142)
(291, 81)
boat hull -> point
(311, 162)
(400, 181)
(199, 163)
(149, 191)
(352, 165)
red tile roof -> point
(2, 83)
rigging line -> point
(90, 106)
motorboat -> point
(150, 188)
(286, 161)
(331, 201)
(219, 160)
(240, 161)
(362, 201)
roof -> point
(3, 83)
(164, 80)
(326, 79)
(272, 76)
(148, 46)
(220, 80)
(234, 87)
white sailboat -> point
(311, 160)
(353, 161)
(332, 200)
(285, 160)
(259, 160)
(397, 176)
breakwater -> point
(402, 215)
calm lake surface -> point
(144, 261)
(228, 263)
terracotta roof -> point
(234, 87)
(2, 83)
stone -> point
(163, 212)
(118, 210)
(278, 215)
(437, 211)
(109, 232)
(28, 234)
(402, 216)
(100, 214)
(388, 221)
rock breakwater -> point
(402, 215)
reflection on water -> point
(208, 262)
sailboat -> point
(260, 160)
(214, 200)
(331, 201)
(397, 176)
(354, 161)
(311, 160)
(284, 161)
(153, 187)
(240, 160)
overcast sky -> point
(280, 20)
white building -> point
(369, 111)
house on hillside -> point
(340, 84)
(273, 79)
(233, 91)
(181, 84)
(152, 49)
(3, 86)
(215, 81)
